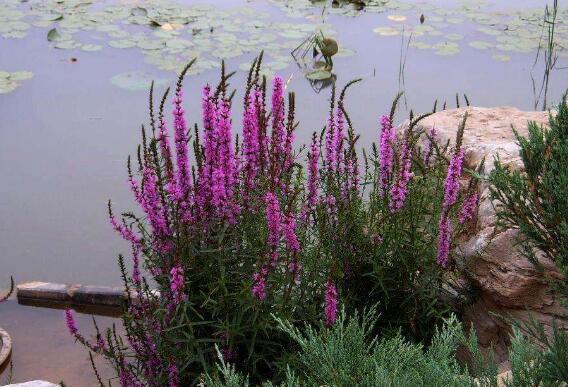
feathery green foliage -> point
(535, 201)
(348, 355)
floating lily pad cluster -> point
(353, 8)
(10, 81)
(442, 31)
(502, 33)
(168, 34)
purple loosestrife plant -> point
(232, 234)
(451, 193)
(399, 189)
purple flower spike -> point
(469, 207)
(386, 154)
(70, 321)
(399, 190)
(444, 238)
(452, 183)
(331, 303)
(177, 283)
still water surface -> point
(65, 135)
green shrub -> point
(535, 201)
(348, 354)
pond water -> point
(73, 92)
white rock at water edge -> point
(34, 383)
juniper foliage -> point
(348, 354)
(535, 201)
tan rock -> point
(507, 283)
(487, 132)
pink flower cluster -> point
(451, 192)
(177, 283)
(399, 189)
(331, 303)
(387, 141)
(469, 207)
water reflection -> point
(44, 350)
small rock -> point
(34, 383)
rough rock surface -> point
(5, 346)
(508, 284)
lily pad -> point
(386, 31)
(124, 43)
(397, 18)
(318, 75)
(91, 47)
(420, 45)
(136, 81)
(481, 45)
(454, 36)
(21, 75)
(501, 57)
(66, 44)
(53, 35)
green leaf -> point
(318, 75)
(53, 35)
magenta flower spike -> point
(452, 183)
(278, 136)
(331, 144)
(399, 189)
(338, 139)
(259, 285)
(469, 207)
(387, 140)
(251, 142)
(182, 153)
(177, 283)
(444, 238)
(70, 321)
(313, 177)
(289, 231)
(273, 221)
(331, 303)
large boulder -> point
(506, 283)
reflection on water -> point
(43, 349)
(65, 134)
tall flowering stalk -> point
(313, 178)
(432, 136)
(387, 141)
(251, 141)
(451, 192)
(331, 303)
(399, 189)
(274, 223)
